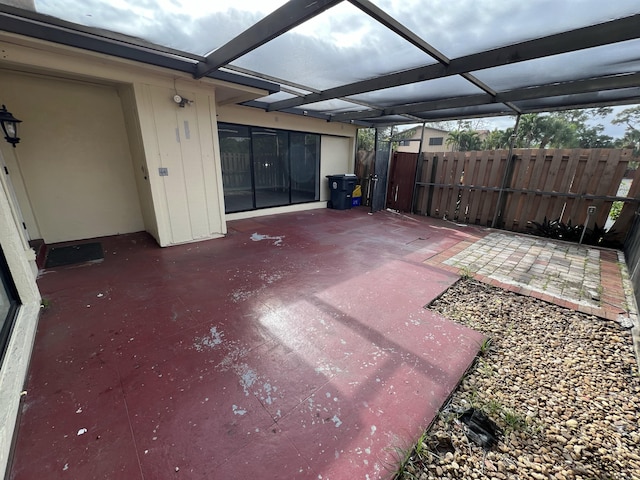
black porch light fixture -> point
(9, 126)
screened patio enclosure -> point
(374, 62)
(275, 92)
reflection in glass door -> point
(237, 179)
(305, 167)
(271, 167)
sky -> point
(615, 131)
(502, 123)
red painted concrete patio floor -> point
(296, 347)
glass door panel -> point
(305, 167)
(235, 153)
(271, 167)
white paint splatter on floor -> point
(336, 420)
(256, 237)
(238, 411)
(247, 377)
(209, 341)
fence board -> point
(578, 211)
(465, 186)
(440, 177)
(494, 176)
(455, 191)
(628, 214)
(447, 177)
(549, 204)
(570, 174)
(532, 197)
(445, 205)
(615, 168)
(464, 193)
(580, 161)
(470, 202)
(515, 200)
(554, 207)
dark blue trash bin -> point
(341, 187)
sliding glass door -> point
(305, 170)
(265, 167)
(270, 166)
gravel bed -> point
(563, 386)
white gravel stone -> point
(564, 387)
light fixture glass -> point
(9, 126)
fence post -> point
(508, 169)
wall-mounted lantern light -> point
(9, 126)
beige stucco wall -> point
(336, 157)
(188, 204)
(428, 133)
(74, 158)
(138, 157)
(181, 139)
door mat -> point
(72, 254)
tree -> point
(366, 138)
(464, 140)
(586, 135)
(592, 137)
(630, 117)
(545, 131)
(497, 139)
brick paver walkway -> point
(583, 278)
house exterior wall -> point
(188, 201)
(185, 206)
(337, 146)
(334, 151)
(74, 158)
(429, 133)
(140, 168)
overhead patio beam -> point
(392, 24)
(582, 38)
(285, 18)
(388, 21)
(44, 27)
(590, 85)
(581, 104)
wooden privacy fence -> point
(269, 171)
(486, 187)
